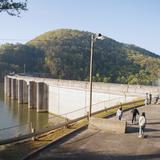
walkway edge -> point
(55, 142)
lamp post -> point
(93, 40)
(24, 68)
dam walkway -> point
(94, 144)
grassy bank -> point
(19, 150)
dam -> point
(69, 98)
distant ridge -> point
(65, 54)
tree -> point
(12, 7)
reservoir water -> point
(16, 119)
(66, 101)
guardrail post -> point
(33, 130)
(67, 123)
(106, 109)
(88, 116)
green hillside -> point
(14, 57)
(65, 54)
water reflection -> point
(22, 115)
(14, 114)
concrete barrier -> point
(108, 125)
(65, 96)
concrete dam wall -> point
(70, 98)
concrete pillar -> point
(20, 91)
(25, 92)
(7, 86)
(32, 94)
(13, 89)
(42, 97)
(16, 89)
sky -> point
(129, 21)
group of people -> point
(148, 99)
(152, 98)
(141, 121)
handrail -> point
(58, 126)
(117, 106)
(92, 106)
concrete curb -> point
(63, 138)
(55, 142)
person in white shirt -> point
(146, 101)
(142, 124)
(119, 113)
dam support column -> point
(16, 89)
(7, 86)
(32, 94)
(25, 92)
(20, 91)
(13, 89)
(42, 97)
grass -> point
(125, 107)
(19, 150)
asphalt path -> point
(94, 144)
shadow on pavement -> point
(150, 136)
(136, 129)
(153, 123)
(83, 155)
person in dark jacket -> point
(135, 112)
(150, 98)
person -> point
(119, 113)
(146, 99)
(158, 102)
(142, 124)
(135, 112)
(156, 99)
(150, 98)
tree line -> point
(65, 54)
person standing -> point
(135, 112)
(146, 99)
(119, 113)
(150, 98)
(142, 124)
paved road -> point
(93, 144)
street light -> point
(24, 68)
(93, 40)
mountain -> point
(13, 58)
(65, 54)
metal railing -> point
(96, 107)
(21, 132)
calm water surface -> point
(14, 114)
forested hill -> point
(65, 54)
